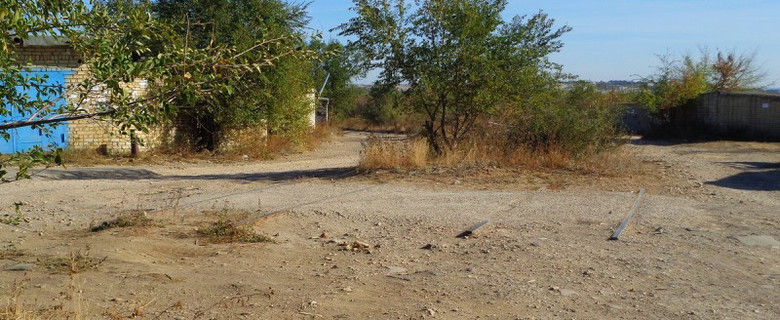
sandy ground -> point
(702, 246)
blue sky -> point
(615, 39)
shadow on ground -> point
(757, 176)
(144, 174)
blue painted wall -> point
(23, 139)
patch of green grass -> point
(225, 230)
(17, 219)
(13, 220)
(130, 219)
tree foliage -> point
(460, 59)
(276, 98)
(337, 64)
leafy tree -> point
(121, 42)
(677, 82)
(460, 59)
(277, 98)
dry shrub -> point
(394, 154)
(129, 219)
(227, 230)
(75, 262)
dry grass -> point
(13, 306)
(244, 145)
(491, 163)
(414, 154)
(357, 124)
(128, 219)
(394, 154)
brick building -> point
(65, 68)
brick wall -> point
(92, 134)
(48, 56)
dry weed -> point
(11, 253)
(75, 262)
(12, 308)
(387, 154)
(129, 219)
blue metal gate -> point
(23, 139)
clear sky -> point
(619, 40)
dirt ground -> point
(702, 246)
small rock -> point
(347, 289)
(567, 292)
(324, 236)
(392, 270)
(588, 272)
(20, 267)
(361, 245)
(430, 246)
(759, 241)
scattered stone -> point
(324, 235)
(354, 246)
(347, 289)
(659, 230)
(759, 241)
(20, 267)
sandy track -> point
(544, 254)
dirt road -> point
(703, 250)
